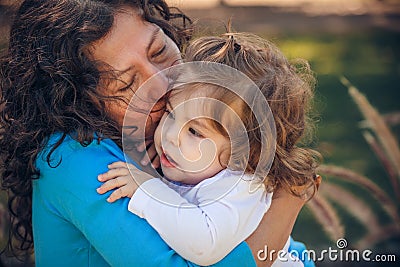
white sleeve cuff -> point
(146, 192)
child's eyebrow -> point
(201, 123)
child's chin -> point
(168, 173)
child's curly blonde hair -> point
(288, 89)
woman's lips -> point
(167, 161)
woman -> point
(71, 69)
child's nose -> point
(172, 134)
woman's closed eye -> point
(160, 51)
(129, 85)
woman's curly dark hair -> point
(49, 85)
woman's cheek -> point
(116, 111)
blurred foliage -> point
(353, 54)
(371, 61)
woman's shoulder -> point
(67, 166)
(60, 148)
(69, 142)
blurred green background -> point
(355, 39)
(370, 60)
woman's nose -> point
(154, 81)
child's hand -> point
(119, 178)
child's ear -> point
(225, 157)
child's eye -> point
(195, 133)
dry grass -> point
(383, 143)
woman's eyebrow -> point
(154, 35)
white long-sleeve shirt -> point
(203, 223)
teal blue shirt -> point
(73, 225)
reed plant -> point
(377, 132)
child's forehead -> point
(190, 93)
(190, 104)
(201, 103)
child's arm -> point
(203, 233)
(206, 232)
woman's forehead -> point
(128, 40)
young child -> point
(214, 192)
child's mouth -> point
(166, 161)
